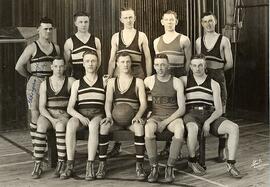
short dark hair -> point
(45, 20)
(58, 58)
(198, 56)
(170, 12)
(126, 9)
(90, 52)
(209, 13)
(123, 54)
(162, 55)
(81, 13)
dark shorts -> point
(200, 116)
(92, 112)
(178, 71)
(219, 76)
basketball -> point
(123, 114)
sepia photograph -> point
(116, 93)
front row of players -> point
(85, 103)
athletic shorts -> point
(156, 119)
(178, 71)
(90, 113)
(59, 114)
(200, 116)
(32, 91)
(137, 71)
(219, 76)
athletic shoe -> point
(141, 175)
(197, 168)
(101, 170)
(60, 168)
(115, 150)
(153, 176)
(68, 171)
(169, 174)
(37, 171)
(233, 171)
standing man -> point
(168, 105)
(136, 44)
(78, 43)
(40, 54)
(53, 100)
(89, 94)
(175, 45)
(204, 110)
(129, 90)
(217, 49)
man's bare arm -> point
(147, 55)
(98, 46)
(111, 65)
(227, 53)
(68, 46)
(109, 97)
(187, 49)
(21, 65)
(142, 98)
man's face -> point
(82, 23)
(124, 64)
(161, 66)
(169, 22)
(198, 66)
(58, 67)
(128, 18)
(90, 63)
(45, 30)
(209, 23)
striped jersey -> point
(199, 95)
(133, 49)
(213, 55)
(57, 100)
(40, 63)
(129, 96)
(164, 98)
(91, 96)
(173, 50)
(76, 54)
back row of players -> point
(52, 103)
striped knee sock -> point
(103, 147)
(139, 147)
(33, 129)
(40, 145)
(61, 144)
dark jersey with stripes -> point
(173, 50)
(198, 95)
(213, 55)
(76, 54)
(133, 49)
(164, 98)
(40, 63)
(57, 100)
(91, 97)
(129, 96)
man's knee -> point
(150, 129)
(72, 125)
(93, 128)
(192, 128)
(104, 129)
(229, 127)
(42, 124)
(60, 126)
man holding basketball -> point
(123, 91)
(168, 105)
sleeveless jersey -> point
(76, 54)
(199, 95)
(57, 100)
(212, 56)
(129, 96)
(40, 63)
(91, 96)
(133, 49)
(164, 98)
(173, 50)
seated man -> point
(125, 89)
(204, 110)
(168, 105)
(53, 100)
(89, 95)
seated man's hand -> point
(85, 121)
(206, 128)
(137, 120)
(106, 121)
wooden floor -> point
(252, 158)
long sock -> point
(139, 147)
(33, 129)
(103, 147)
(40, 145)
(151, 148)
(61, 144)
(175, 147)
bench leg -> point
(202, 151)
(52, 151)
